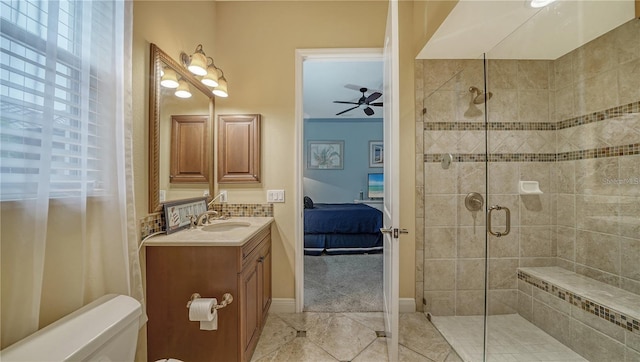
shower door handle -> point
(508, 220)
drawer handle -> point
(261, 259)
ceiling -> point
(504, 29)
(327, 80)
(511, 29)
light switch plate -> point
(223, 195)
(275, 195)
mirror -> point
(163, 104)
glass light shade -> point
(183, 90)
(169, 79)
(198, 64)
(211, 78)
(221, 89)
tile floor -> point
(348, 337)
(510, 338)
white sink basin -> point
(226, 226)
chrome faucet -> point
(206, 217)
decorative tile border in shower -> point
(493, 126)
(155, 222)
(618, 111)
(613, 112)
(628, 323)
(602, 152)
(613, 151)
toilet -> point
(103, 330)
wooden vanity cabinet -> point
(174, 273)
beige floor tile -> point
(419, 335)
(341, 336)
(275, 334)
(373, 321)
(304, 321)
(298, 350)
(375, 352)
(310, 337)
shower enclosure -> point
(543, 141)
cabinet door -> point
(251, 312)
(239, 148)
(189, 138)
(265, 276)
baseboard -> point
(283, 305)
(407, 305)
(288, 305)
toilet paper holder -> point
(227, 298)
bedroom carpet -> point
(343, 283)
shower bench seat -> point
(597, 320)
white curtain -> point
(68, 227)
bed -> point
(342, 229)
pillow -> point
(308, 203)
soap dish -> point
(529, 188)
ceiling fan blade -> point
(368, 111)
(347, 110)
(344, 102)
(353, 86)
(377, 104)
(373, 96)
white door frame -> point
(330, 54)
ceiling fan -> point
(366, 101)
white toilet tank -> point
(103, 330)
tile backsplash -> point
(155, 222)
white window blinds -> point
(57, 57)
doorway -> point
(341, 117)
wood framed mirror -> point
(163, 105)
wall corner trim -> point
(407, 305)
(283, 305)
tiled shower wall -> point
(557, 122)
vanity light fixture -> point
(196, 62)
(202, 66)
(183, 90)
(221, 89)
(211, 78)
(169, 78)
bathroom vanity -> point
(228, 256)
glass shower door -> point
(453, 181)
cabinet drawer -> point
(252, 245)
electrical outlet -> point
(275, 195)
(223, 195)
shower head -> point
(480, 97)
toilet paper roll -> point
(211, 325)
(201, 309)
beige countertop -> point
(234, 231)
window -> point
(57, 66)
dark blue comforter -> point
(342, 218)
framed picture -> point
(325, 155)
(376, 154)
(176, 214)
